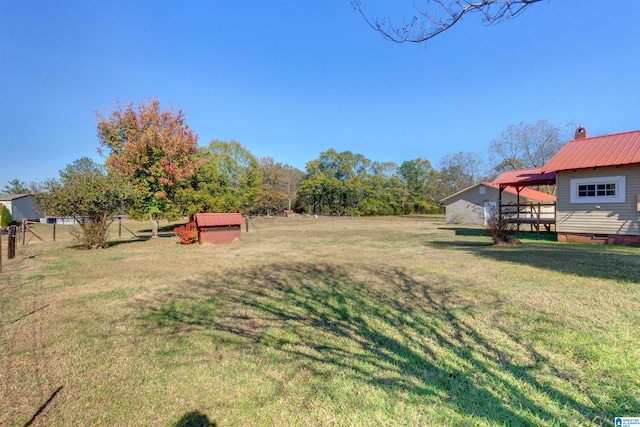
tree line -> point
(154, 169)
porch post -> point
(518, 190)
(500, 190)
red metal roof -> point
(218, 219)
(524, 177)
(525, 192)
(607, 150)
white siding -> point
(599, 218)
(467, 207)
(463, 211)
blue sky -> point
(292, 78)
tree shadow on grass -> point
(466, 231)
(598, 261)
(113, 243)
(195, 419)
(543, 236)
(391, 329)
(163, 229)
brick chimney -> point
(581, 133)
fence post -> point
(12, 242)
(0, 250)
(54, 231)
(23, 231)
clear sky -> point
(292, 78)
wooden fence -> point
(532, 214)
(18, 234)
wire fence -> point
(27, 232)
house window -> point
(593, 190)
(598, 190)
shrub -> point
(87, 193)
(500, 230)
(91, 234)
(187, 233)
(5, 217)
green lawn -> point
(346, 322)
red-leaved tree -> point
(155, 149)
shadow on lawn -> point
(466, 231)
(599, 261)
(195, 419)
(389, 329)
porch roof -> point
(525, 178)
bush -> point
(5, 217)
(87, 193)
(500, 230)
(91, 234)
(187, 233)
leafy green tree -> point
(228, 180)
(270, 198)
(396, 194)
(319, 191)
(279, 186)
(290, 184)
(87, 194)
(79, 167)
(155, 150)
(15, 186)
(325, 185)
(348, 183)
(418, 173)
(388, 190)
(5, 217)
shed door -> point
(490, 209)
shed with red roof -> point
(475, 204)
(218, 228)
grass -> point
(335, 321)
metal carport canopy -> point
(525, 178)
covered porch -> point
(536, 215)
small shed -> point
(476, 204)
(288, 213)
(218, 228)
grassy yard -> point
(345, 322)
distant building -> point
(476, 204)
(21, 206)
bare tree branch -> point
(438, 16)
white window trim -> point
(619, 181)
